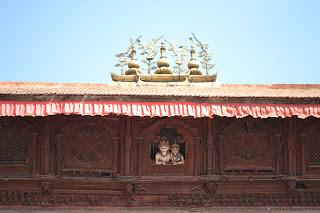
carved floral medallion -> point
(88, 145)
(249, 143)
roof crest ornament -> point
(149, 49)
(160, 70)
(204, 54)
(178, 51)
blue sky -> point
(253, 41)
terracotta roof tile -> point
(192, 90)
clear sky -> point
(253, 41)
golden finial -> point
(163, 63)
(193, 65)
(133, 65)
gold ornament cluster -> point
(160, 70)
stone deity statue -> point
(163, 156)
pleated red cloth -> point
(151, 109)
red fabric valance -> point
(151, 109)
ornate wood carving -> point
(128, 189)
(249, 144)
(248, 147)
(87, 198)
(211, 187)
(310, 148)
(16, 153)
(88, 148)
(223, 138)
(14, 144)
(151, 135)
(314, 151)
(253, 199)
(46, 187)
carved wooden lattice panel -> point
(88, 147)
(13, 144)
(315, 150)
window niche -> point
(168, 152)
(314, 150)
(310, 149)
(15, 140)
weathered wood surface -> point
(74, 160)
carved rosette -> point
(88, 147)
(248, 147)
(249, 144)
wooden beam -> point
(209, 147)
(35, 159)
(292, 166)
(127, 146)
(46, 147)
(304, 155)
(59, 154)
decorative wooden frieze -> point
(92, 179)
(129, 197)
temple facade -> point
(166, 137)
(91, 144)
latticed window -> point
(13, 144)
(315, 149)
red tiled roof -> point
(192, 90)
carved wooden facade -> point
(109, 160)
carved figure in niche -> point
(163, 156)
(176, 156)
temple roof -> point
(160, 99)
(164, 89)
(160, 90)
